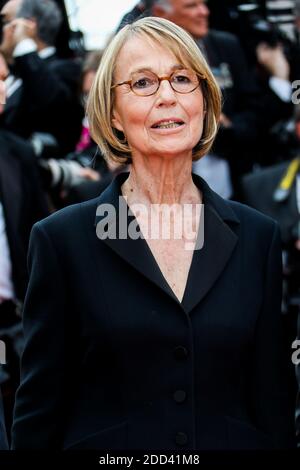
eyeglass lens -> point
(147, 83)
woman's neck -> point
(161, 181)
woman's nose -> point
(165, 93)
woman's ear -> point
(116, 121)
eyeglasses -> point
(147, 83)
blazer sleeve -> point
(38, 409)
(272, 406)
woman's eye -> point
(181, 79)
(143, 82)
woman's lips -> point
(167, 123)
(168, 130)
(168, 126)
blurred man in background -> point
(3, 438)
(246, 116)
(42, 89)
(22, 203)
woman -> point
(146, 342)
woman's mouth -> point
(167, 124)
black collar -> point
(220, 239)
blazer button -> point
(181, 439)
(179, 396)
(180, 353)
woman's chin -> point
(173, 151)
(174, 145)
(171, 154)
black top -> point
(114, 361)
(47, 101)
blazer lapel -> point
(208, 262)
(136, 252)
(13, 101)
(219, 242)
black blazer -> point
(252, 108)
(258, 189)
(23, 201)
(245, 102)
(3, 436)
(47, 100)
(114, 361)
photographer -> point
(41, 88)
(61, 177)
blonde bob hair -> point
(112, 143)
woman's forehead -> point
(141, 52)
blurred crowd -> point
(48, 159)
